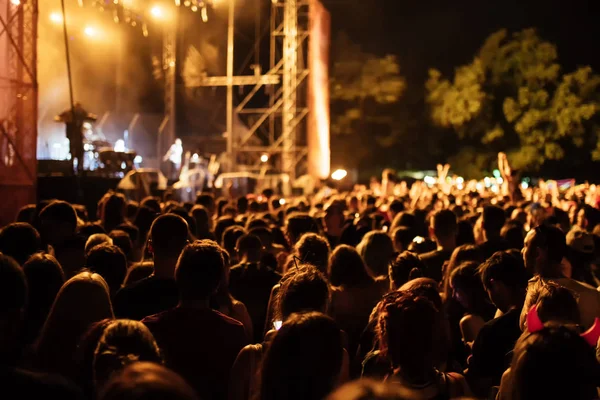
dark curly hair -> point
(302, 289)
(407, 330)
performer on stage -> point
(74, 120)
(174, 155)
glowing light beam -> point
(90, 31)
(157, 12)
(56, 17)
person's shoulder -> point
(250, 350)
(157, 318)
(429, 255)
(457, 385)
(238, 306)
(225, 320)
(578, 286)
(137, 286)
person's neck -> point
(334, 231)
(195, 304)
(446, 244)
(554, 271)
(492, 237)
(164, 267)
(417, 376)
(514, 304)
(250, 259)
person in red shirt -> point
(199, 343)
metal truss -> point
(274, 128)
(18, 93)
(167, 129)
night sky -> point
(447, 33)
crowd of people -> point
(395, 291)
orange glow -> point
(319, 153)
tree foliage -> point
(362, 85)
(514, 98)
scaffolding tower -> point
(274, 129)
(18, 105)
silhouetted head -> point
(122, 343)
(20, 241)
(110, 262)
(200, 270)
(304, 360)
(147, 381)
(347, 268)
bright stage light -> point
(15, 2)
(264, 158)
(56, 17)
(90, 31)
(157, 12)
(339, 174)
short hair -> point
(222, 224)
(347, 268)
(20, 241)
(152, 203)
(231, 236)
(147, 381)
(406, 267)
(132, 230)
(552, 240)
(397, 206)
(109, 262)
(169, 234)
(122, 240)
(60, 211)
(26, 213)
(242, 205)
(199, 270)
(131, 209)
(114, 211)
(505, 267)
(493, 219)
(13, 286)
(97, 239)
(90, 228)
(303, 289)
(405, 219)
(407, 329)
(404, 235)
(138, 271)
(444, 224)
(377, 249)
(207, 200)
(249, 243)
(264, 234)
(314, 249)
(298, 224)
